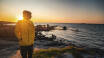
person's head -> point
(27, 14)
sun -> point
(19, 17)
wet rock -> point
(55, 43)
(65, 55)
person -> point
(25, 32)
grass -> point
(52, 52)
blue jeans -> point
(26, 51)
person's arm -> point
(33, 30)
(17, 31)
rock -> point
(65, 55)
(53, 43)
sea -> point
(86, 35)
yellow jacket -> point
(25, 32)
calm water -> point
(88, 35)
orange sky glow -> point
(56, 11)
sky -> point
(54, 11)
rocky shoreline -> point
(46, 43)
(42, 42)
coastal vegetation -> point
(57, 52)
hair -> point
(26, 14)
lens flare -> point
(19, 17)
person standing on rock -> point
(25, 32)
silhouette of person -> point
(25, 32)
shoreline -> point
(10, 48)
(7, 48)
(7, 43)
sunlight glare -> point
(19, 17)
